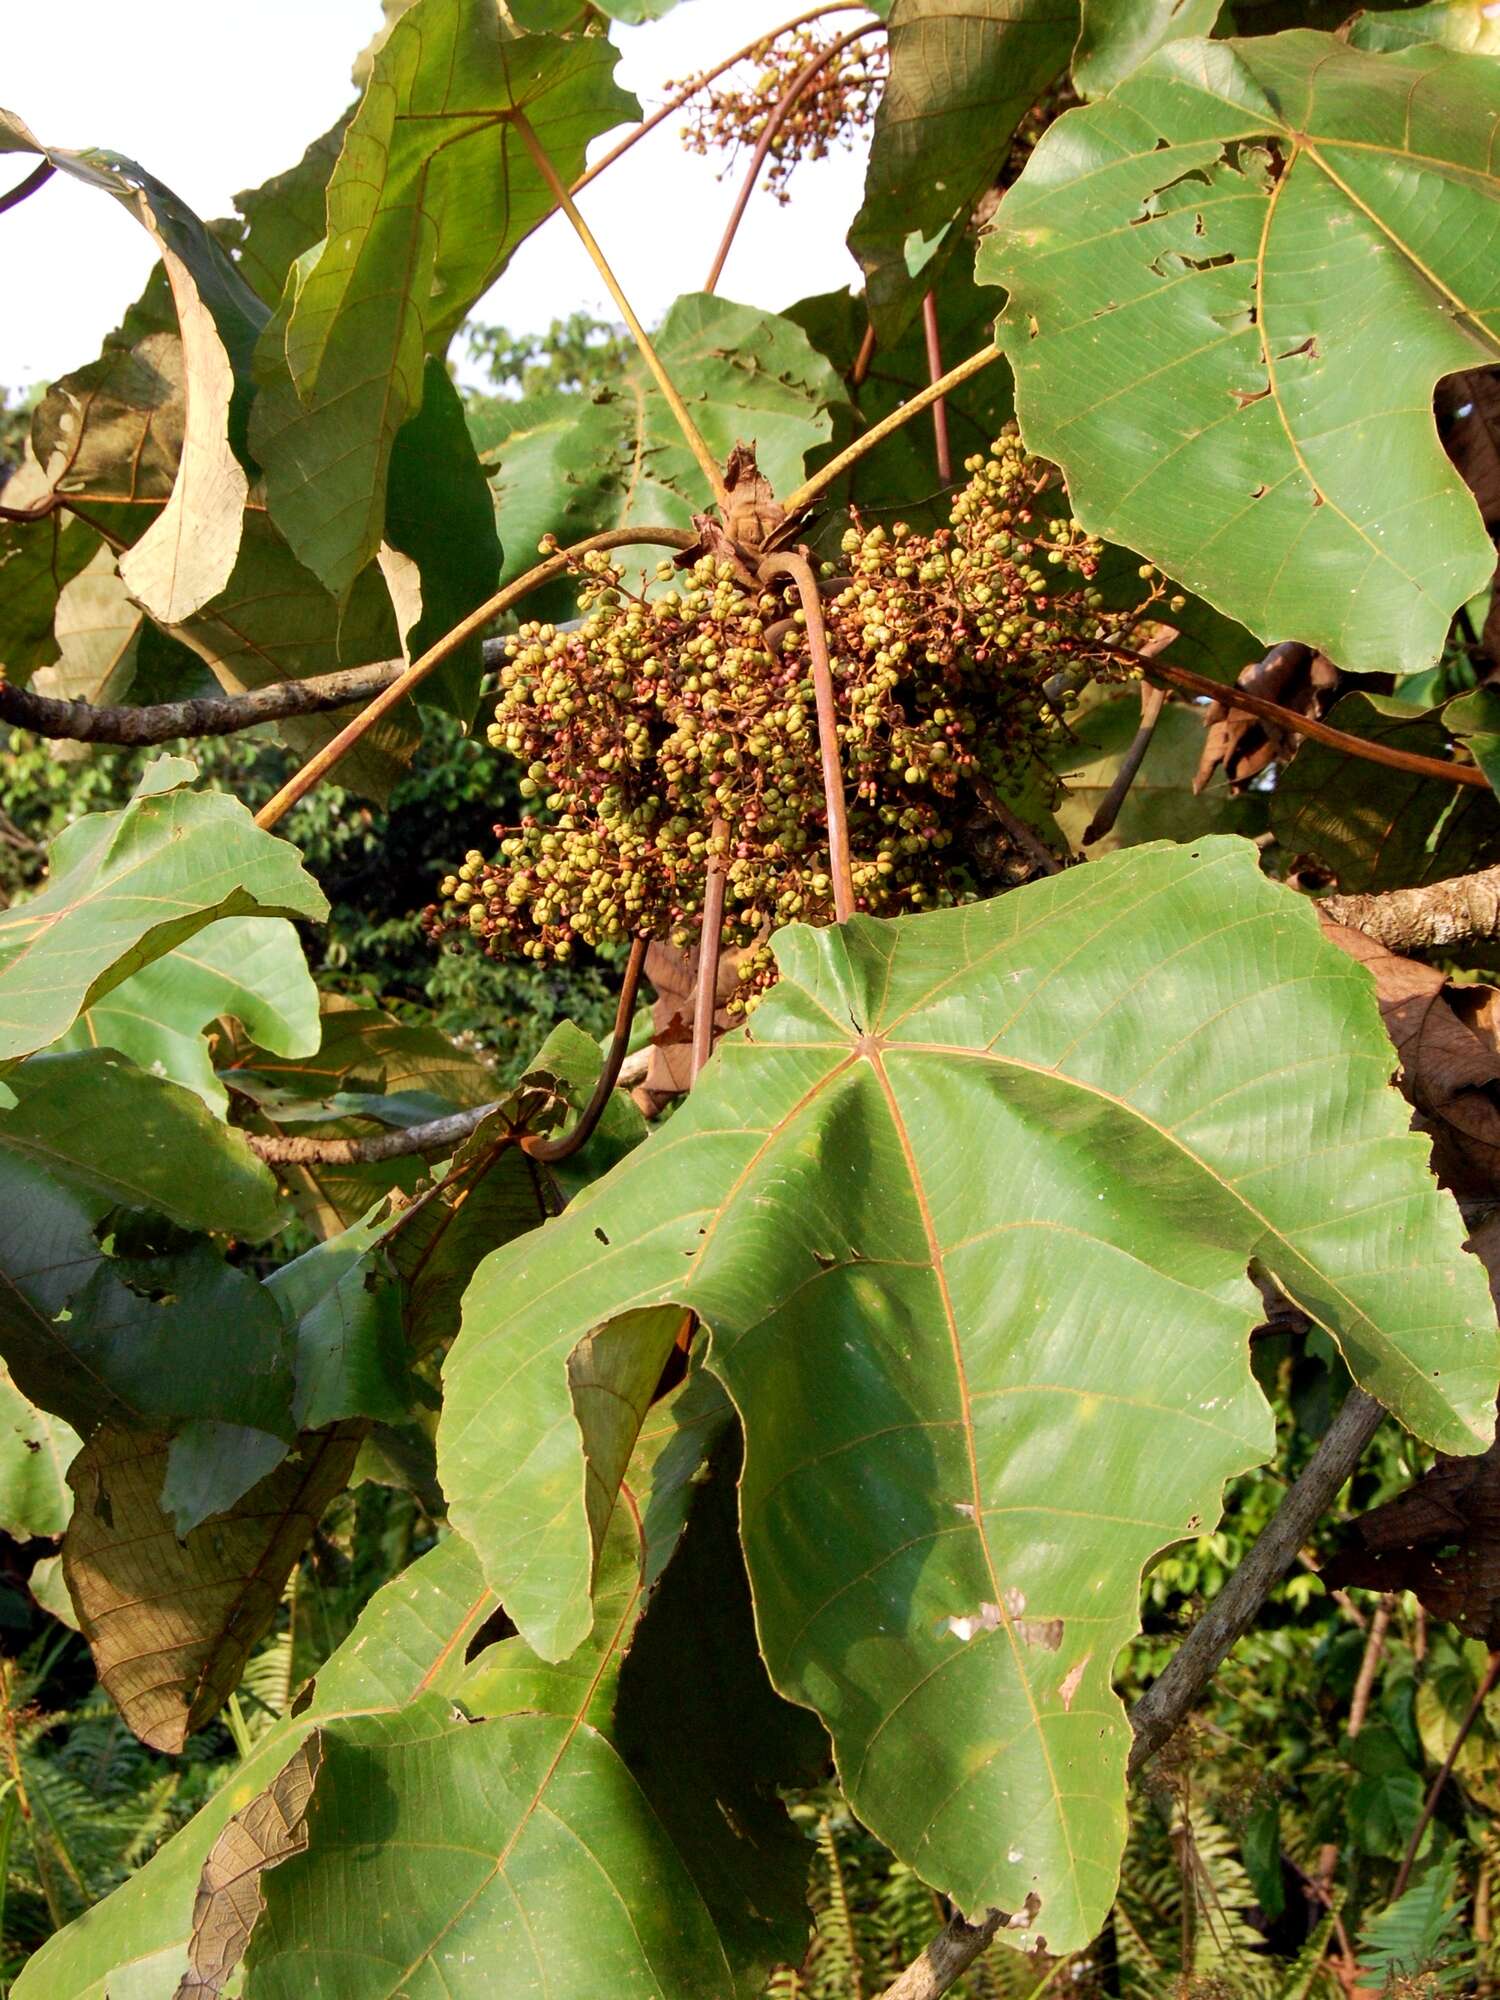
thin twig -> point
(701, 82)
(664, 382)
(206, 715)
(318, 767)
(864, 357)
(710, 944)
(1487, 1681)
(947, 1958)
(835, 469)
(1164, 1704)
(566, 1144)
(1153, 701)
(1301, 725)
(1369, 1666)
(1025, 839)
(23, 190)
(840, 867)
(442, 1135)
(436, 1136)
(935, 373)
(790, 98)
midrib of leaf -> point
(1269, 1231)
(335, 1436)
(936, 1254)
(575, 1722)
(1487, 181)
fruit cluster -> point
(838, 102)
(667, 728)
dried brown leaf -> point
(171, 1623)
(1441, 1538)
(269, 1830)
(1243, 745)
(1446, 1037)
(674, 974)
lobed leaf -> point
(432, 194)
(1375, 828)
(249, 968)
(410, 1640)
(35, 1452)
(608, 1825)
(98, 1337)
(138, 1141)
(963, 73)
(970, 1201)
(127, 887)
(186, 555)
(1117, 36)
(1233, 284)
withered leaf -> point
(1446, 1037)
(1242, 745)
(171, 1623)
(1440, 1539)
(262, 1834)
(674, 974)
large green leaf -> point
(36, 1449)
(440, 519)
(137, 1141)
(1457, 24)
(605, 1828)
(571, 465)
(963, 74)
(99, 1328)
(977, 1402)
(1118, 35)
(1233, 284)
(127, 887)
(410, 1640)
(186, 555)
(417, 1638)
(38, 559)
(286, 215)
(250, 968)
(432, 194)
(351, 1359)
(1374, 828)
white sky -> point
(216, 95)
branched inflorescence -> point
(838, 102)
(664, 729)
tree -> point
(1009, 1070)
